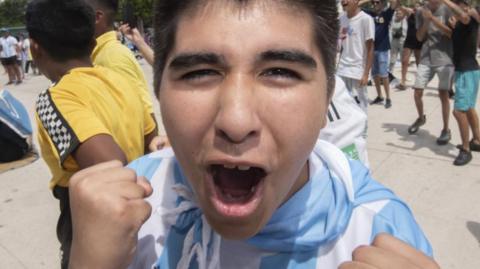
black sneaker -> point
(463, 157)
(474, 146)
(416, 125)
(377, 100)
(444, 137)
(388, 103)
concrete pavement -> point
(444, 198)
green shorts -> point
(466, 89)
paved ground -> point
(444, 198)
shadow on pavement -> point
(474, 228)
(422, 139)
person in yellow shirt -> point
(111, 53)
(90, 114)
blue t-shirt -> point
(382, 22)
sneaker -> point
(377, 100)
(463, 157)
(388, 103)
(474, 146)
(444, 137)
(416, 125)
(401, 87)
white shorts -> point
(426, 73)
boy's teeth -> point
(240, 167)
(229, 166)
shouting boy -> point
(244, 88)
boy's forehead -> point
(237, 18)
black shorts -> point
(412, 43)
(9, 61)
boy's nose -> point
(237, 119)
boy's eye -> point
(199, 74)
(281, 73)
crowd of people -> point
(246, 174)
(443, 35)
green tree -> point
(143, 9)
(12, 13)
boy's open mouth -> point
(236, 188)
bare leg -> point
(11, 73)
(473, 121)
(418, 94)
(417, 56)
(378, 87)
(18, 72)
(444, 98)
(386, 85)
(462, 121)
(405, 63)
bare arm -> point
(474, 14)
(137, 39)
(368, 66)
(422, 30)
(97, 149)
(462, 15)
(406, 10)
(443, 27)
(363, 2)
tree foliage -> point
(12, 13)
(143, 9)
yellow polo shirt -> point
(110, 53)
(84, 103)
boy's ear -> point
(35, 49)
(98, 16)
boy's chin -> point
(237, 230)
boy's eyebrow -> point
(186, 60)
(294, 56)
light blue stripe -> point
(145, 166)
(397, 220)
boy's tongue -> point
(235, 182)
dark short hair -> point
(325, 24)
(109, 7)
(64, 28)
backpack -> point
(15, 128)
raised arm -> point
(463, 16)
(363, 2)
(136, 38)
(422, 30)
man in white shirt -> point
(357, 33)
(8, 57)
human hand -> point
(159, 142)
(131, 34)
(452, 21)
(364, 80)
(108, 208)
(388, 252)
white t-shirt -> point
(9, 47)
(354, 32)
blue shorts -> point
(380, 64)
(466, 89)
